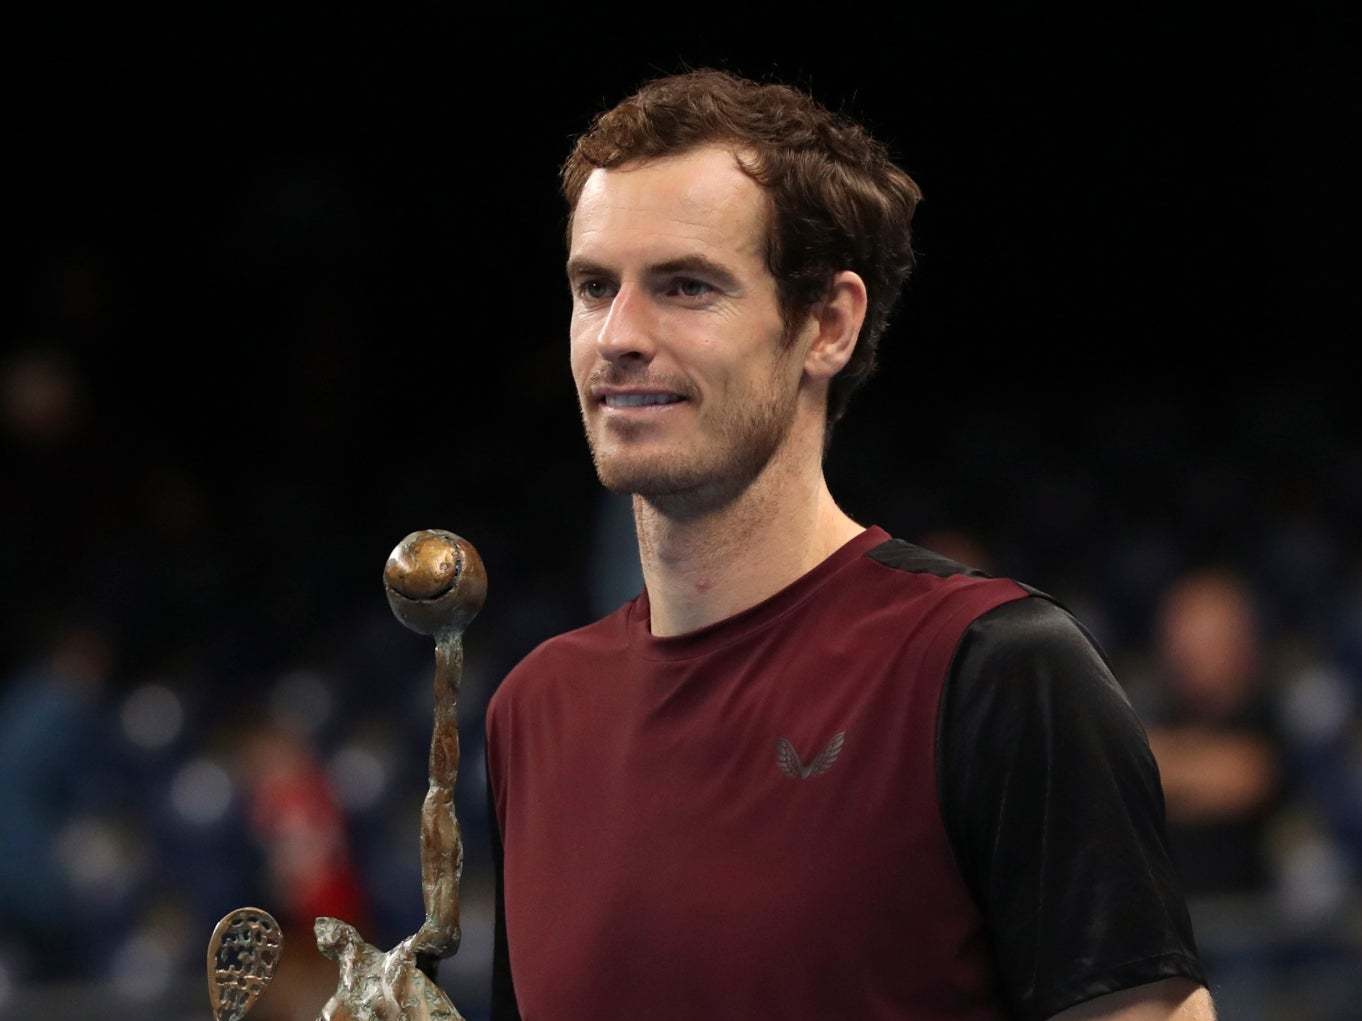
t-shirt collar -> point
(730, 629)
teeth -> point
(639, 400)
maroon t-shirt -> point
(746, 821)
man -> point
(810, 772)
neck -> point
(701, 567)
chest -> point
(754, 825)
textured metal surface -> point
(435, 582)
(242, 955)
(375, 986)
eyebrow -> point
(697, 264)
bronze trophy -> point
(435, 584)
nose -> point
(627, 333)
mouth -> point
(639, 400)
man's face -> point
(686, 384)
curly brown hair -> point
(838, 201)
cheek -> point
(767, 365)
(580, 354)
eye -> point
(689, 287)
(593, 290)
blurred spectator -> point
(1227, 719)
(1211, 730)
(294, 813)
(64, 865)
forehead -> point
(699, 200)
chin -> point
(699, 471)
(646, 476)
(684, 488)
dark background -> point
(297, 276)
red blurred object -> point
(294, 813)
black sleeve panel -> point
(504, 1006)
(1052, 802)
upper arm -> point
(1052, 802)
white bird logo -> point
(788, 759)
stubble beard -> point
(736, 448)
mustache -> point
(611, 375)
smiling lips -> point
(632, 396)
(640, 400)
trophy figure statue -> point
(435, 584)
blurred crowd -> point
(205, 705)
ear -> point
(835, 324)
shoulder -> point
(1030, 684)
(1029, 658)
(1015, 652)
(938, 597)
(917, 560)
(1034, 630)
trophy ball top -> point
(424, 565)
(435, 579)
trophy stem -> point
(441, 840)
